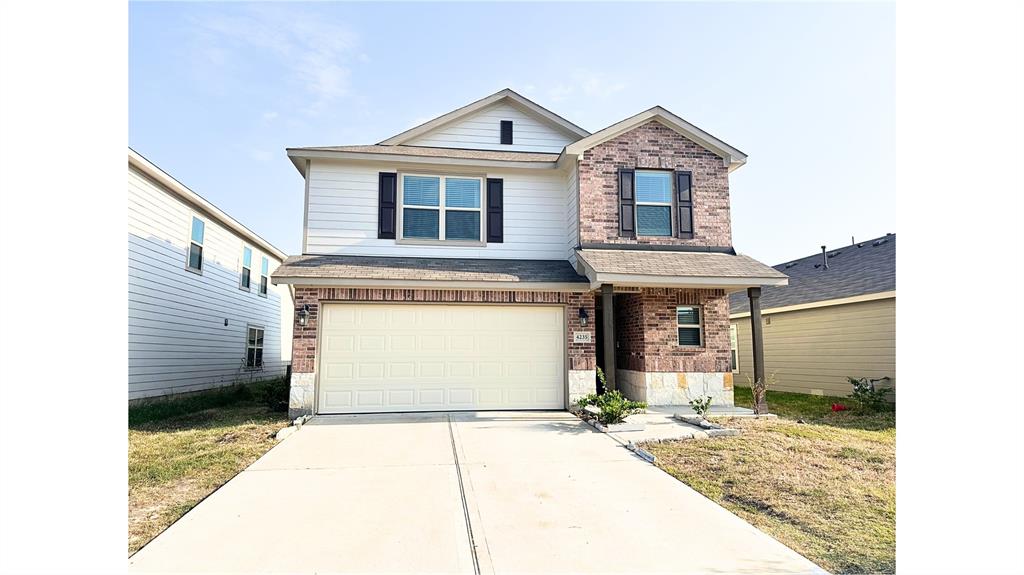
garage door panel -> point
(419, 357)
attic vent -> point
(834, 254)
(880, 242)
(506, 131)
(791, 264)
(860, 245)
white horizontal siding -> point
(342, 215)
(572, 216)
(177, 340)
(482, 131)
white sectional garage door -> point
(423, 357)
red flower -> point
(839, 407)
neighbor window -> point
(264, 272)
(734, 349)
(246, 268)
(688, 324)
(254, 347)
(195, 246)
(653, 203)
(441, 207)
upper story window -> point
(195, 245)
(246, 277)
(441, 208)
(653, 203)
(688, 325)
(264, 273)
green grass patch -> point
(272, 393)
(825, 487)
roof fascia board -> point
(179, 189)
(468, 109)
(433, 284)
(823, 303)
(733, 157)
(297, 156)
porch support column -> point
(608, 327)
(757, 339)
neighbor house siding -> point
(814, 350)
(482, 131)
(177, 340)
(342, 213)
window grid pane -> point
(265, 266)
(246, 279)
(654, 187)
(263, 285)
(689, 336)
(461, 193)
(420, 224)
(421, 191)
(654, 220)
(195, 256)
(462, 225)
(247, 257)
(688, 315)
(198, 229)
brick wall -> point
(653, 145)
(648, 339)
(581, 355)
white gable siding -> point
(342, 215)
(177, 340)
(572, 215)
(482, 131)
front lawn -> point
(823, 483)
(180, 452)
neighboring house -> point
(494, 257)
(201, 309)
(832, 321)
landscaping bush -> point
(614, 406)
(871, 397)
(701, 405)
(272, 393)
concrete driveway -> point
(523, 492)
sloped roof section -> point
(503, 95)
(337, 268)
(732, 156)
(429, 152)
(864, 268)
(675, 269)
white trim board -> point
(822, 303)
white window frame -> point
(255, 346)
(699, 325)
(440, 209)
(671, 205)
(241, 273)
(734, 347)
(264, 280)
(202, 249)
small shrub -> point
(759, 389)
(614, 406)
(272, 393)
(701, 405)
(870, 397)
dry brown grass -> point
(825, 487)
(174, 463)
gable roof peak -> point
(501, 95)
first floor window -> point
(734, 349)
(653, 203)
(688, 325)
(441, 208)
(254, 347)
(246, 268)
(264, 272)
(195, 245)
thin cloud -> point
(588, 83)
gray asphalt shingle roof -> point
(672, 263)
(852, 271)
(426, 269)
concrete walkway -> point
(524, 492)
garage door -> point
(421, 357)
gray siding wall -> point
(177, 340)
(814, 350)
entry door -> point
(437, 357)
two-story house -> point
(202, 312)
(494, 257)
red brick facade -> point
(653, 145)
(581, 355)
(648, 340)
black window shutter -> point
(627, 205)
(506, 131)
(495, 208)
(684, 201)
(387, 199)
